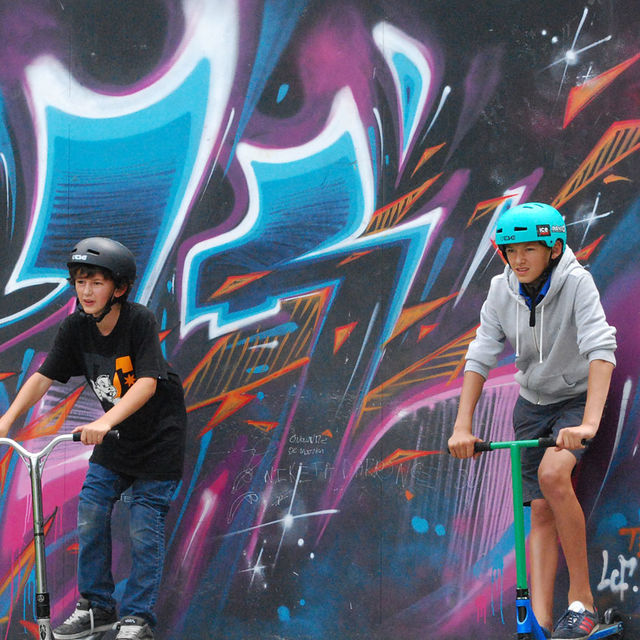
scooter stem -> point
(518, 520)
(43, 607)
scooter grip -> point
(481, 445)
(548, 442)
(110, 435)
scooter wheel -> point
(611, 616)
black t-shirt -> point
(152, 440)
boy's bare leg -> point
(554, 475)
(543, 561)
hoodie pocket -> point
(556, 384)
(570, 380)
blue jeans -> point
(148, 507)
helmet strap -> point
(101, 316)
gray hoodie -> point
(553, 356)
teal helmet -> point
(531, 222)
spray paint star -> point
(571, 56)
(257, 569)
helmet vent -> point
(93, 252)
(519, 228)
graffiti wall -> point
(310, 188)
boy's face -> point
(94, 291)
(529, 259)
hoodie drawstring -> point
(541, 330)
(533, 329)
(517, 330)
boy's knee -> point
(91, 514)
(555, 480)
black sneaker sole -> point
(83, 634)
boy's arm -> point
(462, 440)
(138, 395)
(597, 390)
(32, 390)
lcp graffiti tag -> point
(617, 579)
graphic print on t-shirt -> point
(124, 377)
(111, 391)
(105, 391)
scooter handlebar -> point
(481, 446)
(544, 443)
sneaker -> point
(134, 628)
(576, 624)
(545, 632)
(84, 621)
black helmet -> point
(105, 253)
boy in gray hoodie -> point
(548, 308)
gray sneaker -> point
(84, 621)
(577, 623)
(134, 628)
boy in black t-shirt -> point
(114, 344)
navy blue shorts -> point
(531, 421)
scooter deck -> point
(607, 631)
(614, 630)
